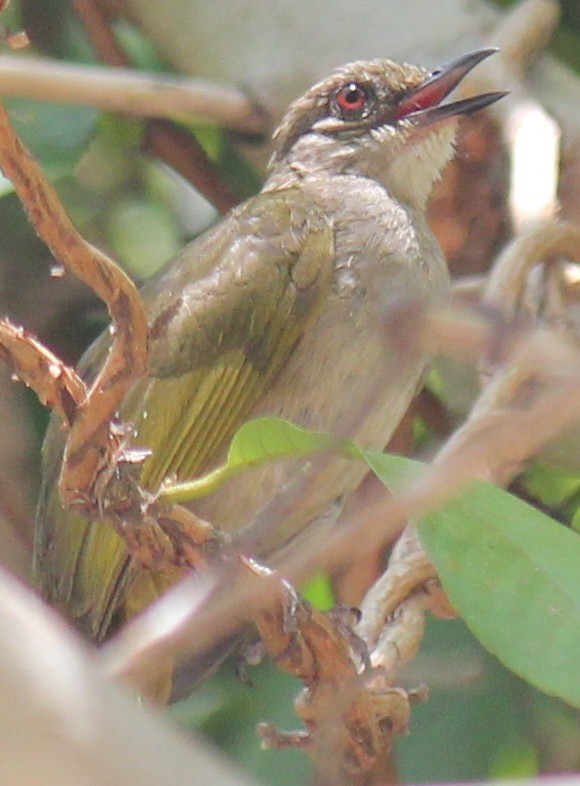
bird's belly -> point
(344, 378)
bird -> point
(277, 310)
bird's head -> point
(381, 120)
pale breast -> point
(348, 374)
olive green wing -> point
(224, 316)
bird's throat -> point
(410, 176)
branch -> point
(179, 149)
(122, 90)
(500, 435)
(90, 438)
(170, 142)
(56, 384)
(62, 722)
(506, 284)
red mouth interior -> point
(430, 94)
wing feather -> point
(212, 357)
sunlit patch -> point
(535, 139)
(572, 274)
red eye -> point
(352, 100)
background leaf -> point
(57, 134)
(513, 574)
(474, 724)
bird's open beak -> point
(423, 103)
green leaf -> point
(474, 712)
(143, 235)
(265, 439)
(256, 443)
(57, 134)
(318, 590)
(551, 485)
(513, 574)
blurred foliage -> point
(227, 710)
(481, 721)
(565, 42)
(474, 725)
(318, 591)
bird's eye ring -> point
(352, 100)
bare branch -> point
(180, 150)
(493, 444)
(90, 436)
(104, 43)
(56, 384)
(61, 722)
(170, 142)
(507, 281)
(123, 90)
(409, 568)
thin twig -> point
(97, 447)
(171, 143)
(123, 90)
(480, 449)
(507, 281)
(180, 150)
(89, 439)
(103, 41)
(56, 384)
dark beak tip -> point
(481, 101)
(485, 52)
(467, 62)
(455, 71)
(497, 94)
